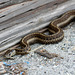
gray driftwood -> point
(22, 18)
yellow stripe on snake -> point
(54, 27)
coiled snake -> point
(54, 27)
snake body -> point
(54, 27)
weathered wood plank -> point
(6, 3)
(17, 9)
(28, 15)
(30, 21)
(1, 1)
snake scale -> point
(54, 27)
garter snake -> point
(54, 27)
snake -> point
(55, 27)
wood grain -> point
(14, 24)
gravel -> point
(39, 65)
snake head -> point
(9, 54)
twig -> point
(45, 53)
(36, 48)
